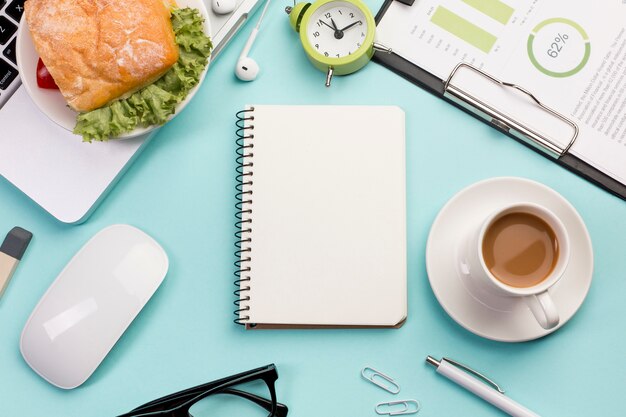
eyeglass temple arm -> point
(281, 409)
(262, 372)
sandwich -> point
(121, 64)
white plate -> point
(52, 103)
(504, 319)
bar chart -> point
(470, 32)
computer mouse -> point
(91, 303)
(223, 6)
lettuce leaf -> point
(155, 103)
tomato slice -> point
(44, 79)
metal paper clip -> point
(409, 407)
(370, 373)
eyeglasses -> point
(179, 403)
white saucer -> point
(506, 319)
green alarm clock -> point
(337, 35)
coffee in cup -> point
(520, 249)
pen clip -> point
(475, 373)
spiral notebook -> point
(321, 208)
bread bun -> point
(101, 50)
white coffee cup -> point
(537, 296)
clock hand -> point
(338, 32)
(321, 21)
(352, 24)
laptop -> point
(63, 175)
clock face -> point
(337, 29)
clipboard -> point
(511, 126)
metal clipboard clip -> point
(504, 121)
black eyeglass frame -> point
(179, 403)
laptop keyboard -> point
(10, 15)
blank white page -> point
(328, 216)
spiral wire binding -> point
(243, 212)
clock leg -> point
(329, 76)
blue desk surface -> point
(181, 191)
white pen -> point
(456, 373)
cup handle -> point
(544, 310)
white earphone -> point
(223, 6)
(247, 69)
